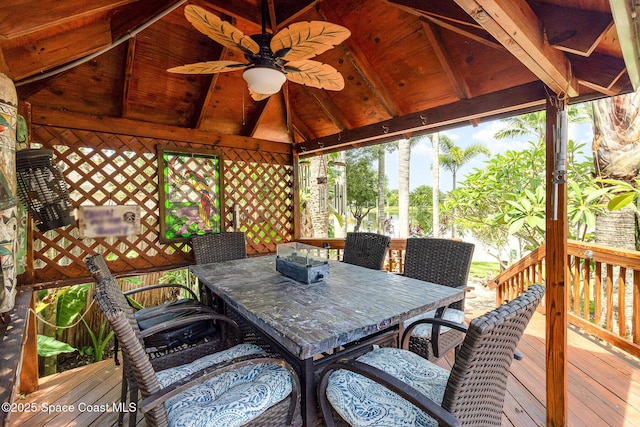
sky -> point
(422, 153)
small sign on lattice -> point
(108, 221)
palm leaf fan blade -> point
(258, 96)
(314, 74)
(209, 67)
(220, 31)
(304, 40)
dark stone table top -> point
(308, 319)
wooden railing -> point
(603, 289)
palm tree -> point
(435, 178)
(404, 161)
(381, 186)
(453, 158)
(616, 124)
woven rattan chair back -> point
(366, 249)
(478, 380)
(218, 247)
(119, 314)
(442, 261)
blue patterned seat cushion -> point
(230, 399)
(363, 402)
(424, 330)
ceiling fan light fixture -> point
(264, 80)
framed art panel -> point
(190, 196)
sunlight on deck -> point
(604, 388)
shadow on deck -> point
(604, 388)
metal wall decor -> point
(42, 189)
(322, 185)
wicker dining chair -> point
(445, 262)
(217, 247)
(366, 249)
(396, 387)
(240, 385)
(212, 331)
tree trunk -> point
(617, 228)
(381, 182)
(404, 157)
(435, 177)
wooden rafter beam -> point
(131, 51)
(67, 119)
(573, 30)
(514, 24)
(437, 44)
(19, 20)
(364, 67)
(450, 16)
(497, 104)
(328, 106)
(251, 127)
(207, 101)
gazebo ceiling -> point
(409, 66)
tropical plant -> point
(99, 341)
(51, 347)
(361, 185)
(452, 158)
(64, 306)
(421, 201)
(507, 197)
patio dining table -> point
(312, 325)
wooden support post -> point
(556, 278)
(29, 371)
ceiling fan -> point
(271, 59)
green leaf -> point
(620, 201)
(71, 304)
(516, 226)
(49, 347)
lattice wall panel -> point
(103, 169)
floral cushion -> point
(230, 399)
(363, 402)
(424, 330)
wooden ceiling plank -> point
(289, 15)
(481, 36)
(448, 18)
(624, 16)
(514, 24)
(128, 72)
(67, 119)
(252, 125)
(300, 127)
(573, 30)
(207, 100)
(364, 67)
(444, 10)
(45, 49)
(599, 72)
(457, 81)
(531, 95)
(19, 19)
(329, 107)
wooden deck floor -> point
(604, 386)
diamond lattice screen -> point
(103, 169)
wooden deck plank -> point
(604, 387)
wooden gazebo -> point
(92, 85)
